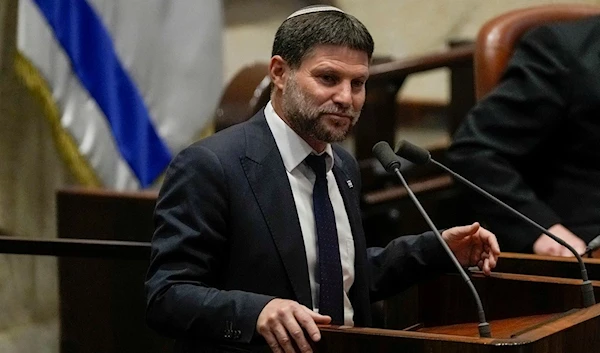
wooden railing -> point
(87, 248)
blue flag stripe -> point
(94, 60)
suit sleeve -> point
(504, 140)
(404, 262)
(188, 254)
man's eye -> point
(328, 79)
(358, 84)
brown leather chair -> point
(246, 93)
(497, 38)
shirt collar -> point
(292, 147)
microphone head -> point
(413, 153)
(386, 156)
(594, 244)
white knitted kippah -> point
(314, 8)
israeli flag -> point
(124, 84)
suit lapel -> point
(346, 187)
(267, 177)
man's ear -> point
(278, 71)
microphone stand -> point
(484, 326)
(586, 288)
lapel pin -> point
(350, 185)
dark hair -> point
(297, 36)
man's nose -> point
(343, 96)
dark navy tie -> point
(331, 292)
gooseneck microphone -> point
(593, 245)
(390, 161)
(418, 155)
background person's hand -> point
(544, 245)
(282, 323)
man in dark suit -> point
(534, 142)
(258, 229)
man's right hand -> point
(545, 245)
(282, 323)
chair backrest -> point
(497, 38)
(245, 94)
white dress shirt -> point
(294, 150)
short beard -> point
(304, 115)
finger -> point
(489, 239)
(271, 341)
(457, 234)
(476, 247)
(486, 267)
(294, 329)
(482, 257)
(309, 323)
(318, 318)
(466, 230)
(493, 260)
(474, 228)
(283, 339)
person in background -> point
(534, 142)
(258, 229)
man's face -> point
(322, 99)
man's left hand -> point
(473, 245)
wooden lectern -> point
(526, 314)
(102, 300)
(553, 266)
